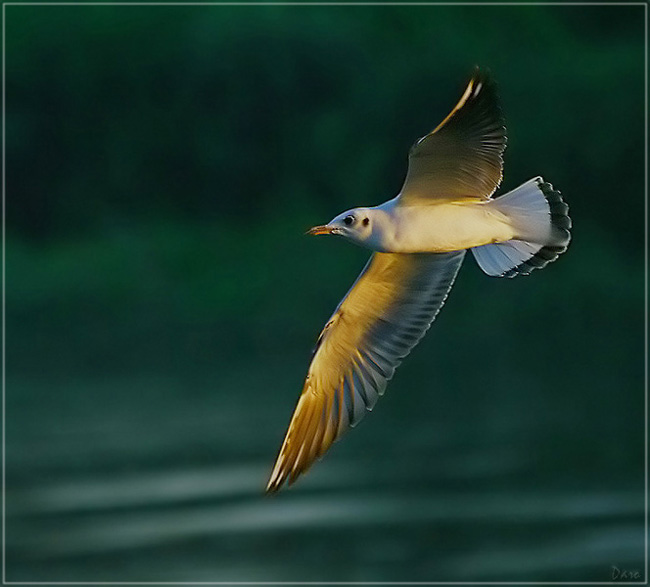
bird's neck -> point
(383, 227)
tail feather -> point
(541, 221)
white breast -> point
(443, 227)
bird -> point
(418, 241)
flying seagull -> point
(419, 240)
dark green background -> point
(162, 164)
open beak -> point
(323, 229)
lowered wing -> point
(384, 315)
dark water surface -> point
(160, 477)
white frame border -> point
(316, 3)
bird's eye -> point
(366, 221)
(349, 220)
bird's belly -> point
(445, 227)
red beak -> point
(323, 229)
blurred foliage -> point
(229, 114)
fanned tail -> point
(541, 220)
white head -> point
(363, 226)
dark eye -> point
(349, 220)
(366, 221)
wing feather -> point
(463, 156)
(383, 316)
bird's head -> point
(355, 225)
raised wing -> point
(462, 156)
(384, 315)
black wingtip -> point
(483, 82)
(481, 72)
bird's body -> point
(419, 240)
(440, 227)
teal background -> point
(162, 164)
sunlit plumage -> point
(419, 239)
